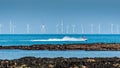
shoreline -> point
(60, 62)
(87, 47)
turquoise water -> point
(29, 39)
(15, 54)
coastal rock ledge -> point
(32, 62)
(97, 46)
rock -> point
(96, 46)
(32, 62)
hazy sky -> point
(53, 12)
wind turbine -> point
(10, 27)
(43, 29)
(91, 28)
(112, 28)
(62, 27)
(99, 29)
(0, 28)
(82, 29)
(67, 29)
(13, 29)
(117, 29)
(28, 28)
(73, 28)
(57, 29)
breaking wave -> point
(66, 38)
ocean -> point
(30, 39)
(16, 54)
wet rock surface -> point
(97, 46)
(32, 62)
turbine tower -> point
(62, 27)
(13, 29)
(28, 28)
(0, 28)
(112, 28)
(43, 29)
(10, 27)
(117, 29)
(91, 28)
(73, 29)
(57, 29)
(67, 29)
(99, 29)
(82, 29)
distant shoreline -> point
(95, 46)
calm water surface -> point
(15, 54)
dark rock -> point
(60, 62)
(96, 46)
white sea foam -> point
(66, 38)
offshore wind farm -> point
(63, 34)
(59, 34)
(61, 28)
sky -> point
(60, 16)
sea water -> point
(30, 39)
(16, 54)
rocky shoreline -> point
(97, 46)
(32, 62)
